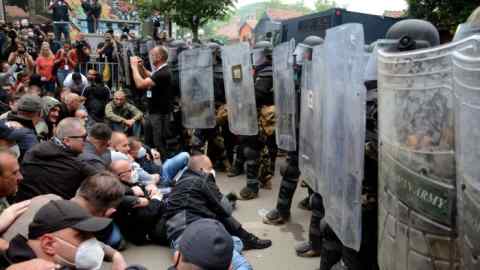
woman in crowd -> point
(45, 64)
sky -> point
(366, 6)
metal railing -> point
(110, 73)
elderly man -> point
(123, 116)
(71, 103)
(54, 166)
(157, 85)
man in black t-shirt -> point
(159, 95)
(61, 19)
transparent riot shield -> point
(309, 130)
(239, 89)
(343, 144)
(285, 96)
(417, 179)
(465, 30)
(196, 88)
(466, 70)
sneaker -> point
(305, 204)
(305, 250)
(273, 217)
(253, 242)
(248, 194)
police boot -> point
(250, 191)
(238, 160)
(281, 214)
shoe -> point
(305, 204)
(234, 172)
(248, 194)
(253, 242)
(305, 250)
(273, 217)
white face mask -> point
(15, 149)
(142, 152)
(213, 173)
(89, 255)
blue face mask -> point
(142, 152)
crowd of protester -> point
(84, 170)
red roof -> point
(251, 23)
(394, 13)
(16, 12)
(281, 15)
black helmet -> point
(413, 34)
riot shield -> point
(285, 96)
(309, 129)
(239, 89)
(417, 185)
(196, 87)
(465, 30)
(343, 127)
(466, 72)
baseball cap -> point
(30, 103)
(61, 214)
(206, 244)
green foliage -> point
(445, 14)
(322, 5)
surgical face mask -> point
(15, 149)
(89, 255)
(213, 173)
(142, 152)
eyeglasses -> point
(83, 137)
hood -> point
(48, 104)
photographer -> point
(22, 60)
(92, 11)
(109, 52)
(61, 19)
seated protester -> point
(29, 109)
(70, 104)
(97, 96)
(76, 81)
(100, 195)
(170, 168)
(51, 114)
(120, 147)
(60, 232)
(205, 244)
(140, 210)
(82, 114)
(12, 103)
(16, 138)
(142, 154)
(96, 152)
(10, 176)
(197, 196)
(54, 166)
(123, 116)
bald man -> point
(170, 168)
(70, 104)
(53, 166)
(122, 115)
(158, 91)
(197, 196)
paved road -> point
(281, 256)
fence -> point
(111, 73)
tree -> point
(192, 14)
(322, 5)
(445, 14)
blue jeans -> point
(172, 166)
(238, 261)
(61, 75)
(60, 28)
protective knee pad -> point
(287, 170)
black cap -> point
(61, 214)
(206, 244)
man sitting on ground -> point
(123, 116)
(96, 152)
